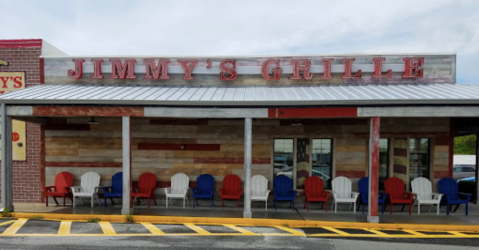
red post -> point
(374, 170)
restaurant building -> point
(381, 116)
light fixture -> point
(92, 121)
(296, 122)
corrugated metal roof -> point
(370, 94)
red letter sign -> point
(159, 72)
(348, 64)
(276, 71)
(327, 68)
(77, 73)
(118, 71)
(97, 68)
(188, 66)
(297, 67)
(378, 68)
(412, 67)
(228, 66)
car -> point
(461, 171)
(467, 179)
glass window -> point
(383, 162)
(322, 160)
(283, 157)
(418, 158)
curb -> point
(249, 222)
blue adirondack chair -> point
(448, 187)
(205, 188)
(363, 186)
(283, 190)
(116, 188)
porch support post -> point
(476, 174)
(127, 205)
(373, 170)
(7, 182)
(248, 127)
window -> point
(283, 157)
(383, 162)
(322, 160)
(418, 158)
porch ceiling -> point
(368, 94)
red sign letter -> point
(412, 67)
(327, 68)
(77, 73)
(159, 72)
(297, 67)
(378, 68)
(18, 82)
(228, 66)
(348, 64)
(188, 66)
(118, 71)
(97, 68)
(276, 71)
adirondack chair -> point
(259, 189)
(63, 182)
(448, 187)
(363, 186)
(205, 188)
(231, 189)
(314, 191)
(283, 190)
(422, 188)
(90, 182)
(145, 189)
(179, 188)
(395, 189)
(342, 193)
(116, 188)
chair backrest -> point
(63, 180)
(205, 183)
(146, 182)
(342, 187)
(231, 184)
(363, 187)
(422, 187)
(282, 185)
(259, 185)
(314, 186)
(179, 183)
(395, 188)
(89, 181)
(117, 183)
(448, 186)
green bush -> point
(94, 220)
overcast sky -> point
(251, 27)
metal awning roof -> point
(369, 94)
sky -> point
(251, 27)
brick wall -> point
(24, 55)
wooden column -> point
(373, 170)
(7, 164)
(127, 205)
(248, 127)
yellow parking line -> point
(290, 230)
(6, 223)
(337, 231)
(65, 227)
(241, 230)
(376, 232)
(457, 233)
(415, 233)
(107, 228)
(13, 229)
(152, 228)
(197, 229)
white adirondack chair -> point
(179, 188)
(89, 185)
(259, 189)
(422, 188)
(342, 193)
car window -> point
(468, 169)
(457, 169)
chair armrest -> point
(221, 191)
(193, 190)
(382, 196)
(437, 196)
(167, 190)
(49, 188)
(213, 191)
(294, 193)
(106, 189)
(354, 195)
(267, 193)
(409, 195)
(95, 190)
(75, 189)
(465, 196)
(326, 194)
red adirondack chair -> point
(145, 189)
(395, 189)
(314, 191)
(231, 189)
(63, 182)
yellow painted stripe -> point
(197, 229)
(152, 228)
(6, 223)
(239, 229)
(337, 231)
(415, 233)
(65, 227)
(13, 229)
(457, 233)
(107, 228)
(376, 232)
(290, 230)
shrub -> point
(94, 220)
